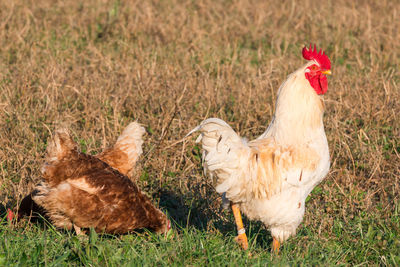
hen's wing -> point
(126, 151)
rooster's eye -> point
(314, 67)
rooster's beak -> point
(326, 72)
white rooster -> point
(269, 178)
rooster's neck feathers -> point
(298, 113)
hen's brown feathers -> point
(117, 159)
(126, 151)
(83, 190)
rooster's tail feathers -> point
(225, 157)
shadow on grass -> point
(257, 234)
(193, 210)
(182, 214)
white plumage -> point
(270, 177)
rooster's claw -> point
(242, 241)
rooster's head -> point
(315, 73)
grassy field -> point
(96, 65)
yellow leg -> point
(241, 238)
(275, 245)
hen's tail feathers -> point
(226, 158)
(126, 151)
(131, 141)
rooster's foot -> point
(275, 245)
(241, 239)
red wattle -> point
(323, 81)
(318, 82)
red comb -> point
(320, 57)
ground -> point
(94, 66)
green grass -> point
(362, 240)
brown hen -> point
(82, 191)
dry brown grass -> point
(94, 66)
